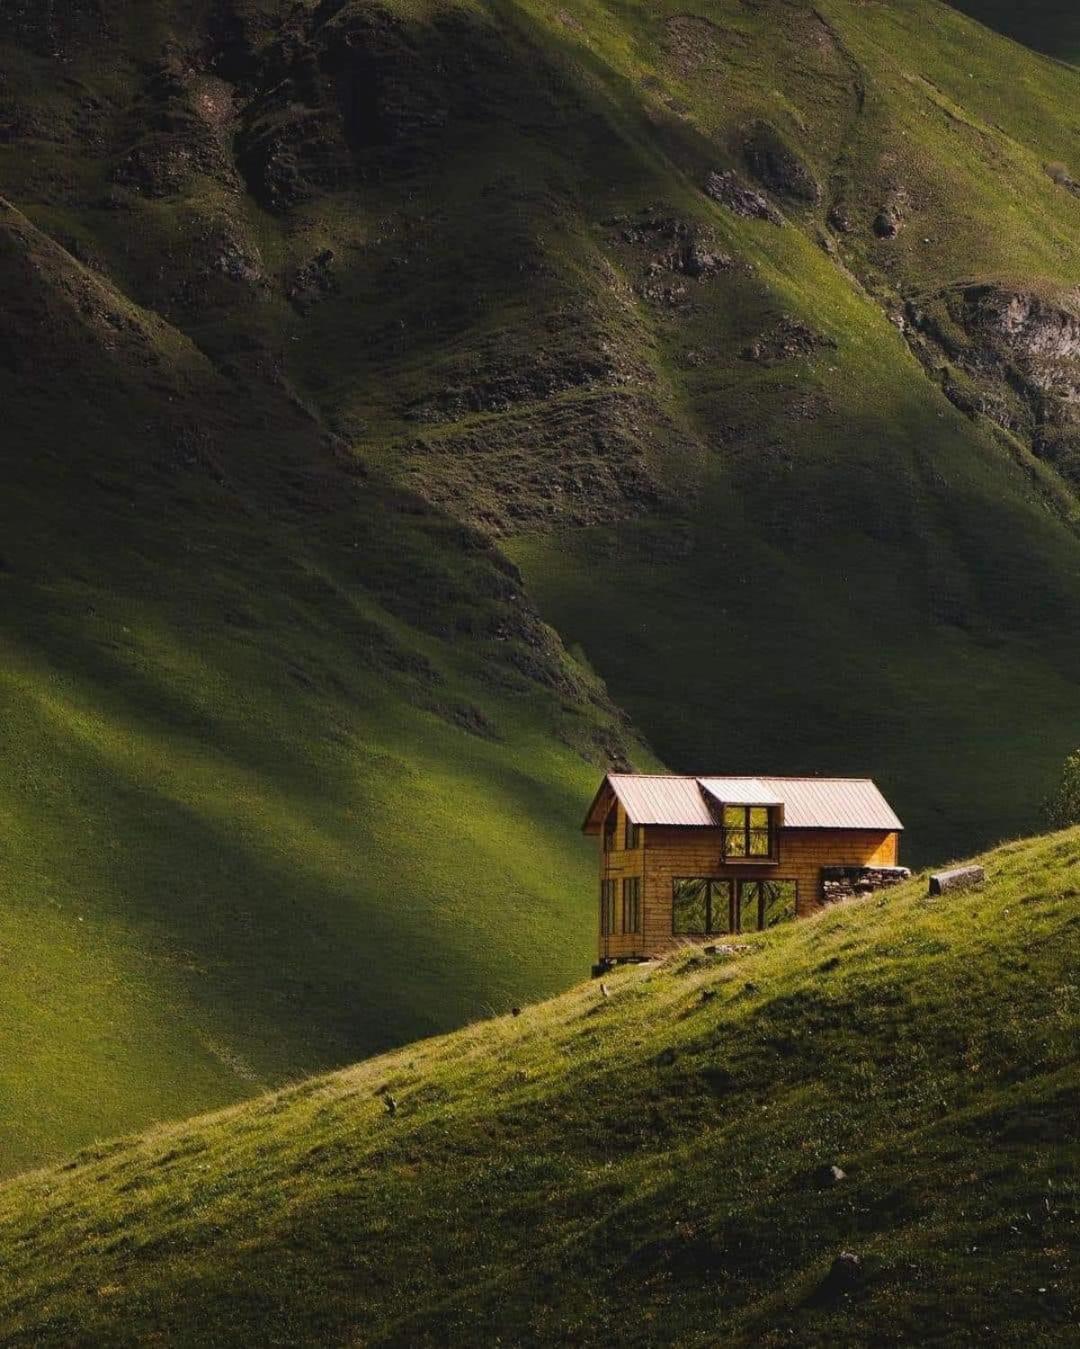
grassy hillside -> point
(1051, 26)
(320, 314)
(649, 1167)
(869, 568)
(292, 771)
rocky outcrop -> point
(312, 281)
(1013, 356)
(787, 341)
(352, 99)
(729, 190)
(558, 462)
(677, 252)
(777, 167)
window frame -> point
(761, 882)
(631, 904)
(631, 834)
(747, 832)
(710, 882)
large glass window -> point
(607, 908)
(631, 904)
(763, 904)
(748, 831)
(700, 907)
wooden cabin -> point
(688, 859)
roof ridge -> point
(748, 777)
(683, 777)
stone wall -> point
(846, 882)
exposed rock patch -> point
(236, 261)
(679, 254)
(729, 190)
(352, 98)
(179, 126)
(844, 1277)
(1060, 174)
(1012, 356)
(840, 219)
(566, 463)
(776, 166)
(892, 215)
(695, 44)
(787, 341)
(312, 281)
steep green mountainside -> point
(1051, 26)
(747, 333)
(854, 576)
(648, 1167)
(287, 756)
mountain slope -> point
(287, 755)
(1050, 26)
(647, 1167)
(854, 575)
(322, 313)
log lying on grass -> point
(962, 878)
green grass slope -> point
(869, 569)
(319, 314)
(291, 770)
(641, 1168)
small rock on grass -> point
(844, 1276)
(846, 1269)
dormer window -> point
(748, 832)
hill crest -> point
(650, 1162)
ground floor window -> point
(631, 904)
(763, 904)
(701, 907)
(607, 908)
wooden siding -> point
(668, 853)
(616, 865)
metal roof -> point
(741, 791)
(834, 803)
(652, 798)
(807, 803)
